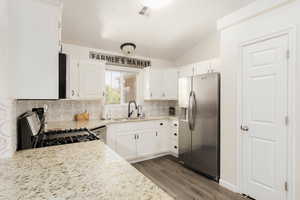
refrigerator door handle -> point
(191, 110)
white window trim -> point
(138, 82)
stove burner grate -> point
(66, 137)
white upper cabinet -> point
(170, 81)
(153, 84)
(160, 84)
(206, 66)
(91, 80)
(35, 40)
(86, 80)
(185, 87)
(186, 71)
(199, 68)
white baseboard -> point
(148, 157)
(228, 185)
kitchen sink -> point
(127, 119)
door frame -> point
(290, 32)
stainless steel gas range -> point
(31, 134)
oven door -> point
(100, 132)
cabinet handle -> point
(103, 94)
(138, 137)
(135, 136)
(175, 147)
(73, 93)
(150, 94)
(156, 133)
(175, 125)
(161, 124)
(175, 134)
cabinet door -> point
(186, 71)
(34, 27)
(146, 143)
(153, 84)
(162, 138)
(170, 83)
(91, 80)
(125, 146)
(73, 79)
(185, 87)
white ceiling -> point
(166, 33)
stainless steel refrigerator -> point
(199, 124)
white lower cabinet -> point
(141, 140)
(146, 143)
(174, 138)
(125, 145)
(162, 137)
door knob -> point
(244, 128)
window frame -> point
(129, 70)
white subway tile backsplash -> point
(64, 110)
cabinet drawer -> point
(130, 126)
(174, 125)
(174, 136)
(174, 147)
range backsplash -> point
(150, 108)
(64, 110)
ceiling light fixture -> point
(155, 3)
(128, 49)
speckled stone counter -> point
(80, 171)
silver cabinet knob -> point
(244, 128)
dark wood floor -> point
(182, 183)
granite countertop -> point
(80, 171)
(62, 125)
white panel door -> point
(264, 108)
(91, 80)
(125, 145)
(146, 143)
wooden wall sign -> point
(120, 60)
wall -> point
(231, 38)
(4, 48)
(7, 104)
(64, 110)
(151, 108)
(206, 49)
(80, 52)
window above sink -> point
(120, 86)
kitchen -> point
(101, 105)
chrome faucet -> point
(129, 110)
